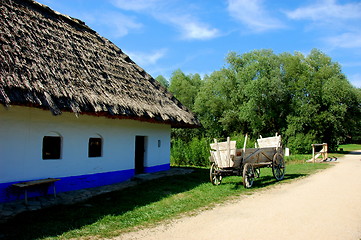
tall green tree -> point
(307, 99)
(322, 100)
(215, 105)
(185, 87)
(162, 80)
(262, 93)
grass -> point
(148, 203)
(297, 158)
(349, 147)
(301, 158)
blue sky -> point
(195, 36)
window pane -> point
(51, 147)
(95, 147)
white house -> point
(75, 107)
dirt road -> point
(326, 205)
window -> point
(51, 147)
(95, 147)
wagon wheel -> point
(278, 166)
(214, 175)
(257, 172)
(248, 175)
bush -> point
(301, 143)
(193, 153)
(196, 151)
(240, 141)
(177, 155)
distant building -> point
(108, 118)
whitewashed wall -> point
(22, 130)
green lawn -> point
(301, 158)
(143, 205)
(350, 147)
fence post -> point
(313, 153)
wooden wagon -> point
(227, 160)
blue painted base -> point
(9, 193)
(158, 168)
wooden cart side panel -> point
(224, 154)
(259, 155)
(223, 146)
(222, 160)
(269, 142)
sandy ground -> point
(326, 205)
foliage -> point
(239, 138)
(195, 152)
(301, 143)
(185, 87)
(163, 81)
(187, 134)
(215, 104)
(262, 103)
(306, 99)
(323, 103)
(192, 153)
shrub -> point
(240, 141)
(177, 155)
(196, 151)
(301, 143)
(193, 153)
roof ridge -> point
(60, 15)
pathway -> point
(326, 205)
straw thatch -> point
(52, 61)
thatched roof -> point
(52, 61)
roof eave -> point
(174, 124)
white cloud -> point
(345, 40)
(112, 24)
(253, 15)
(166, 69)
(147, 59)
(136, 5)
(340, 22)
(194, 30)
(191, 28)
(180, 17)
(327, 11)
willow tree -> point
(307, 99)
(216, 104)
(324, 105)
(185, 87)
(162, 80)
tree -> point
(162, 80)
(307, 99)
(185, 87)
(261, 91)
(214, 104)
(321, 99)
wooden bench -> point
(26, 185)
